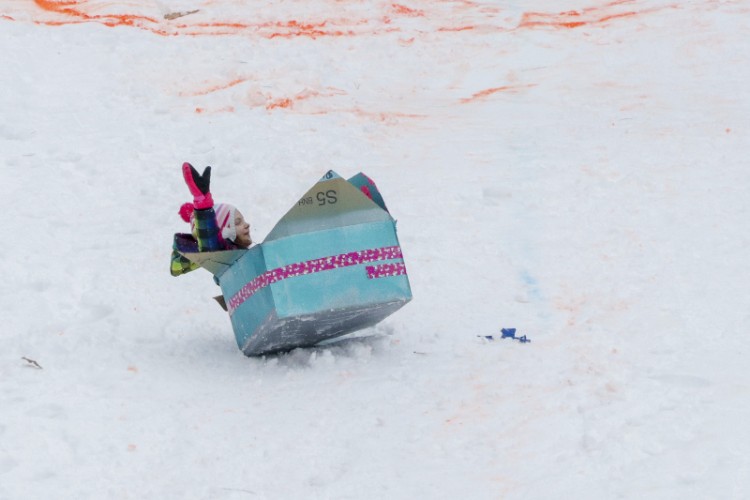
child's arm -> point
(206, 229)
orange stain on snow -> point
(66, 8)
(564, 20)
(60, 6)
(456, 29)
(295, 28)
(275, 29)
(255, 98)
(288, 102)
(406, 11)
(280, 103)
(225, 109)
(577, 18)
(617, 16)
(73, 12)
(385, 116)
(494, 90)
(217, 88)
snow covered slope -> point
(574, 169)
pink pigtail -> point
(186, 210)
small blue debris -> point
(507, 333)
(510, 333)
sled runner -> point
(331, 266)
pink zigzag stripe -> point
(316, 266)
(385, 270)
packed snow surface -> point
(576, 169)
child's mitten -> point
(199, 186)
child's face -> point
(243, 238)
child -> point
(214, 227)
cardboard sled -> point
(331, 266)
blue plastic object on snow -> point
(508, 333)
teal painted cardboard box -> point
(331, 266)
